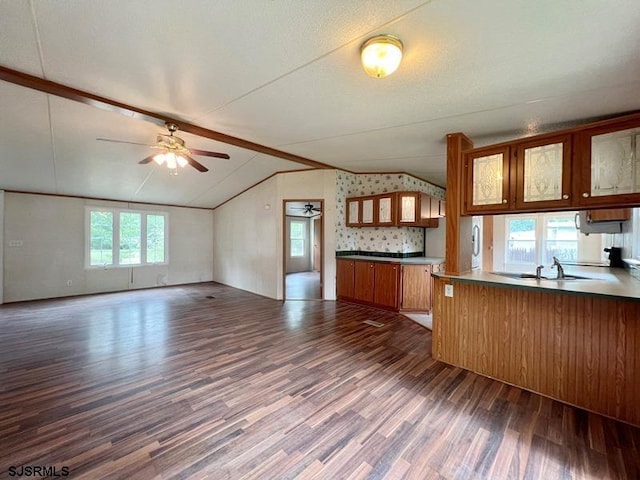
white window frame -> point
(304, 238)
(541, 239)
(116, 237)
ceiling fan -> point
(174, 153)
(308, 209)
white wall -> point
(248, 240)
(245, 247)
(435, 239)
(52, 232)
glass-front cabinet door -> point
(487, 180)
(610, 164)
(385, 208)
(367, 212)
(353, 212)
(407, 207)
(543, 169)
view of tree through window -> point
(101, 238)
(297, 236)
(155, 238)
(128, 229)
(130, 238)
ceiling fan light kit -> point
(174, 153)
(381, 55)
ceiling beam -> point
(70, 93)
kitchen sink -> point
(532, 276)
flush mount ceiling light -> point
(381, 55)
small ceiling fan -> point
(308, 209)
(174, 153)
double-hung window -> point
(120, 237)
(534, 239)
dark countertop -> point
(603, 281)
(402, 261)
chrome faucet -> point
(539, 272)
(556, 263)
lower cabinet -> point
(345, 278)
(373, 283)
(386, 285)
(416, 287)
(385, 292)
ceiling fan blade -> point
(205, 153)
(122, 141)
(149, 159)
(198, 166)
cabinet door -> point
(408, 204)
(609, 160)
(416, 287)
(353, 212)
(385, 209)
(543, 173)
(487, 180)
(345, 278)
(364, 281)
(366, 207)
(609, 215)
(386, 284)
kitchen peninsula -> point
(577, 341)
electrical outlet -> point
(15, 243)
(448, 290)
(69, 283)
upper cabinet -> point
(385, 208)
(609, 164)
(410, 209)
(583, 168)
(487, 179)
(543, 173)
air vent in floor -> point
(373, 324)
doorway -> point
(303, 249)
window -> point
(560, 239)
(125, 237)
(155, 238)
(297, 238)
(521, 240)
(101, 238)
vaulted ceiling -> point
(286, 74)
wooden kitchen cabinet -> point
(386, 284)
(345, 278)
(609, 215)
(607, 159)
(371, 283)
(400, 209)
(353, 212)
(543, 173)
(386, 209)
(487, 182)
(416, 288)
(364, 281)
(584, 168)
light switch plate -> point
(448, 290)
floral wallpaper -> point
(378, 239)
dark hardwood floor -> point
(168, 383)
(303, 286)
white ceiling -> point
(286, 74)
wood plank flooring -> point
(168, 384)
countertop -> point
(604, 281)
(402, 261)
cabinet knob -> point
(504, 200)
(585, 195)
(371, 265)
(565, 197)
